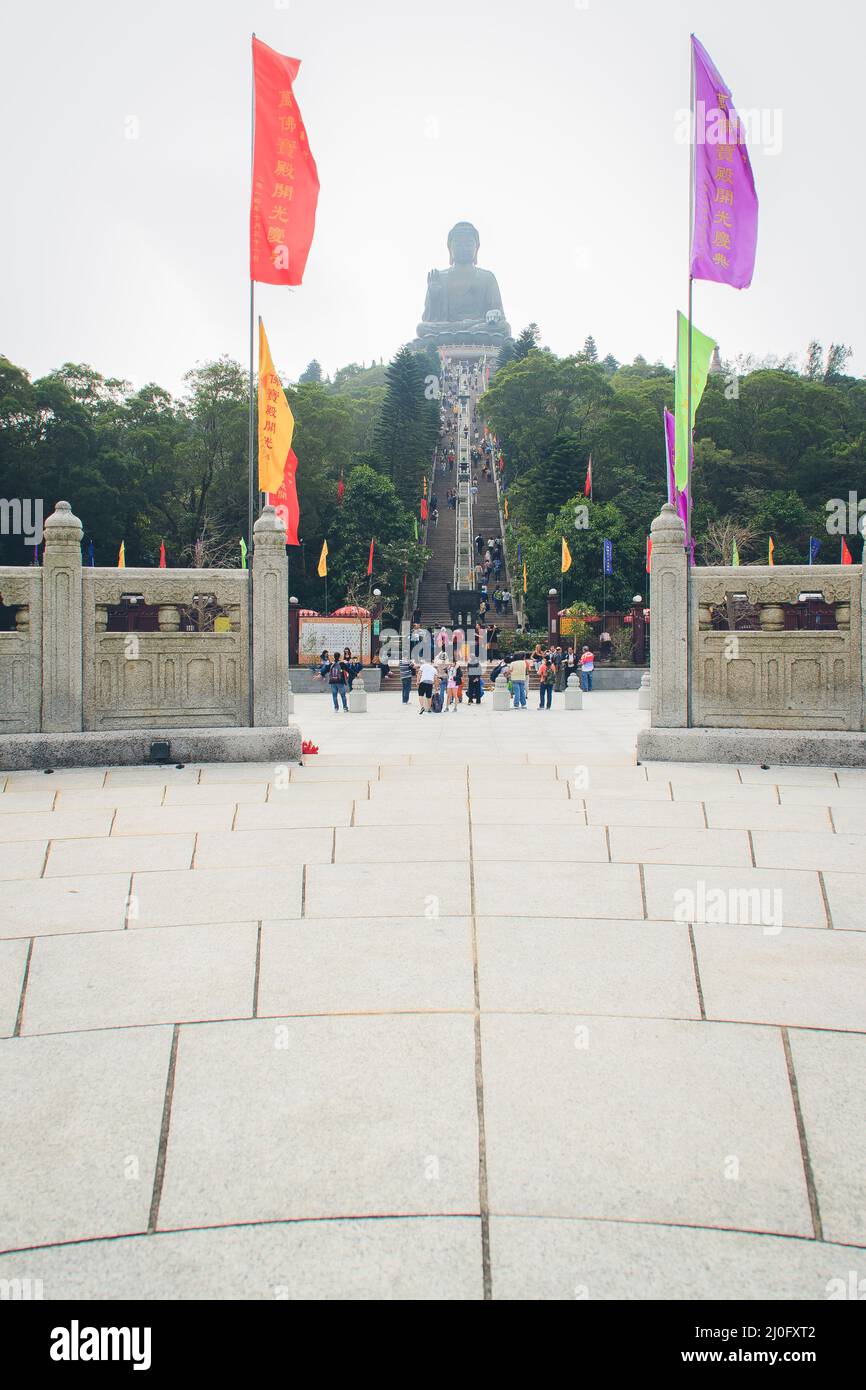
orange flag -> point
(276, 421)
(162, 564)
(846, 553)
(285, 179)
(285, 499)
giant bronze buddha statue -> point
(463, 303)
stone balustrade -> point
(63, 671)
(765, 677)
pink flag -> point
(725, 231)
(676, 499)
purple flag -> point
(676, 499)
(725, 231)
(670, 454)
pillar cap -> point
(667, 528)
(62, 525)
(270, 527)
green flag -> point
(415, 524)
(735, 554)
(243, 553)
(702, 351)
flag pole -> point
(692, 157)
(689, 442)
(251, 481)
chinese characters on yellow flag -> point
(276, 421)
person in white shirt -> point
(426, 680)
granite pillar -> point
(669, 627)
(62, 692)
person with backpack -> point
(546, 681)
(338, 680)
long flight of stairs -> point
(439, 571)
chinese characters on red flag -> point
(285, 180)
(285, 500)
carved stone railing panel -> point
(173, 680)
(169, 678)
(21, 651)
(773, 679)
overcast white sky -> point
(551, 125)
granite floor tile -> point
(742, 896)
(81, 1123)
(366, 965)
(587, 967)
(125, 979)
(304, 1117)
(831, 1081)
(613, 1136)
(802, 977)
(205, 896)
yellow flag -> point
(505, 505)
(770, 548)
(566, 556)
(323, 560)
(121, 556)
(524, 576)
(276, 421)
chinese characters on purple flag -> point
(725, 231)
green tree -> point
(408, 424)
(527, 342)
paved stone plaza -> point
(428, 1018)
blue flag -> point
(608, 556)
(91, 558)
(814, 547)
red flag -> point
(404, 581)
(649, 554)
(162, 555)
(370, 561)
(846, 553)
(285, 180)
(502, 463)
(423, 508)
(285, 500)
(587, 487)
(341, 488)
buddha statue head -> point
(463, 244)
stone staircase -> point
(441, 539)
(439, 573)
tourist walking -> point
(517, 676)
(451, 688)
(426, 681)
(474, 675)
(546, 679)
(338, 680)
(407, 670)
